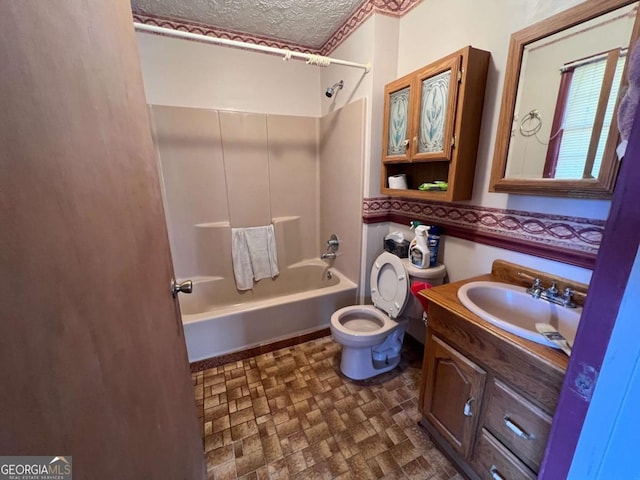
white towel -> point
(262, 250)
(241, 261)
(254, 255)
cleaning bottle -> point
(433, 242)
(419, 254)
(412, 226)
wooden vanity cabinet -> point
(487, 398)
(432, 125)
(454, 388)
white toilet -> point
(372, 335)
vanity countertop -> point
(446, 296)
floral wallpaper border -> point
(572, 240)
(395, 8)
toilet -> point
(371, 335)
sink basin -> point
(511, 308)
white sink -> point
(511, 308)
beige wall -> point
(375, 41)
(227, 169)
(191, 74)
(341, 154)
(291, 94)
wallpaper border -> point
(573, 240)
(394, 8)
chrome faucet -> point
(332, 247)
(552, 294)
(536, 288)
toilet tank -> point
(413, 310)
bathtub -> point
(219, 319)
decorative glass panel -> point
(433, 113)
(398, 118)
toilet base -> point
(357, 363)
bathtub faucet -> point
(332, 247)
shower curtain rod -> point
(311, 58)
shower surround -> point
(225, 169)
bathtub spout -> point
(328, 255)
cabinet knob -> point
(467, 407)
(406, 143)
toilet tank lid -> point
(437, 272)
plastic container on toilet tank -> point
(413, 311)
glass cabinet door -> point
(397, 118)
(434, 115)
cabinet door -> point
(436, 91)
(452, 394)
(397, 120)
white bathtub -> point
(219, 319)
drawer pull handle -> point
(516, 429)
(467, 407)
(495, 474)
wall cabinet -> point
(432, 126)
(486, 400)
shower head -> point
(334, 88)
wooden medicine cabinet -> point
(432, 125)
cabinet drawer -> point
(519, 424)
(492, 461)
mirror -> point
(557, 132)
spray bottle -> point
(413, 224)
(419, 254)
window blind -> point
(579, 118)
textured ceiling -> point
(303, 22)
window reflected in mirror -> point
(568, 89)
(587, 97)
(565, 76)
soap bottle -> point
(419, 254)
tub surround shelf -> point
(290, 218)
(488, 396)
(213, 225)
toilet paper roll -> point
(398, 181)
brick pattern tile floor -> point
(292, 414)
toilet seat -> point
(361, 321)
(389, 284)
